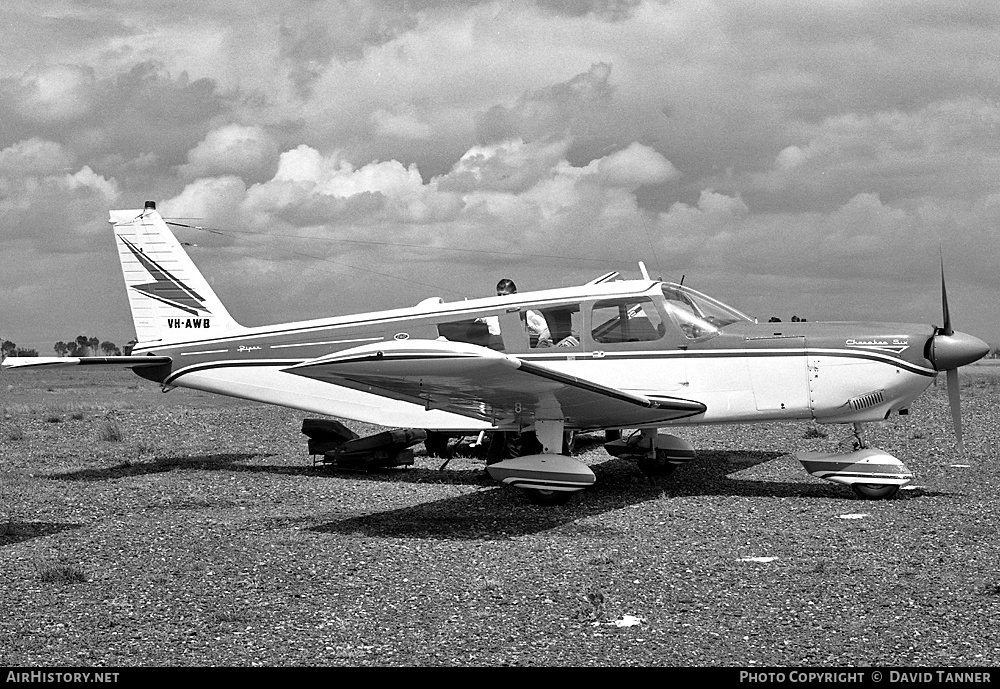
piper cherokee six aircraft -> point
(616, 354)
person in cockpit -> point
(538, 329)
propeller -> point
(947, 350)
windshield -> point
(698, 316)
(702, 306)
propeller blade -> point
(948, 351)
(946, 328)
(954, 398)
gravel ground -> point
(142, 529)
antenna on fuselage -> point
(642, 269)
(607, 277)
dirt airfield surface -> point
(139, 528)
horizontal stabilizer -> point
(61, 361)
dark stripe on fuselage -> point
(608, 357)
(209, 365)
(737, 354)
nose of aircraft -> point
(956, 349)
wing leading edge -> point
(61, 361)
(482, 384)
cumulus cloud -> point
(635, 166)
(939, 150)
(56, 213)
(511, 165)
(552, 110)
(213, 201)
(134, 126)
(56, 93)
(310, 188)
(34, 157)
(233, 149)
(508, 198)
(403, 125)
(614, 10)
(316, 33)
(862, 240)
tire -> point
(874, 491)
(657, 467)
(547, 498)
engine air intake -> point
(867, 400)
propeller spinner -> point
(947, 350)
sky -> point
(788, 158)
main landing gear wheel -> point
(547, 498)
(658, 466)
(874, 491)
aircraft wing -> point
(482, 384)
(60, 361)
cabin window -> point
(484, 332)
(629, 319)
(556, 326)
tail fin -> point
(169, 297)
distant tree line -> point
(11, 349)
(81, 346)
(795, 319)
(87, 346)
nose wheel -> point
(547, 498)
(871, 473)
(874, 491)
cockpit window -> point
(631, 319)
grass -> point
(814, 432)
(591, 605)
(61, 573)
(110, 431)
(46, 407)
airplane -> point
(642, 355)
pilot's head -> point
(505, 287)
